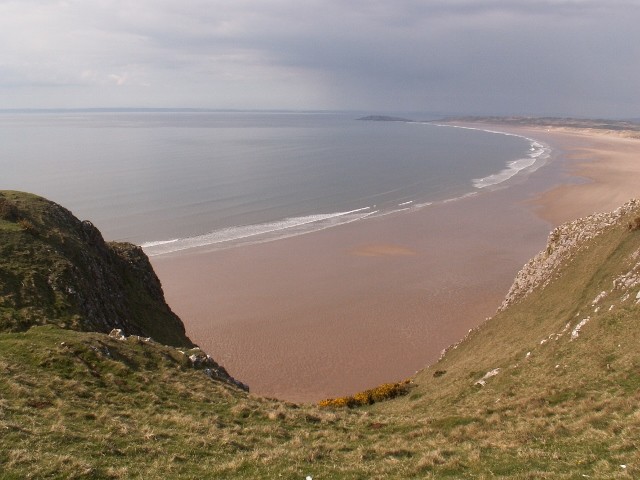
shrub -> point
(635, 224)
(8, 210)
(383, 392)
(27, 226)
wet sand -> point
(610, 167)
(344, 309)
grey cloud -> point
(495, 56)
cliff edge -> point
(56, 269)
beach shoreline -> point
(534, 157)
(346, 308)
(602, 170)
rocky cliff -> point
(56, 269)
(564, 242)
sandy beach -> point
(344, 309)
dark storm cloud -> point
(539, 57)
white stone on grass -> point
(576, 331)
(483, 381)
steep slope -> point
(57, 269)
(548, 388)
(551, 384)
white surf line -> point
(514, 166)
(246, 232)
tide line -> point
(538, 154)
(258, 232)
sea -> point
(173, 181)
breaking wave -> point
(233, 236)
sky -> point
(502, 57)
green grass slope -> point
(548, 388)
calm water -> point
(176, 180)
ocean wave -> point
(503, 175)
(537, 156)
(538, 153)
(229, 237)
(233, 236)
(158, 243)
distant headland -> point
(384, 118)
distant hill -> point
(548, 388)
(630, 127)
(384, 118)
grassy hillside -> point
(560, 366)
(548, 388)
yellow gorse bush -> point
(382, 392)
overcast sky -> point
(539, 57)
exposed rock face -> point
(56, 269)
(196, 358)
(564, 242)
(199, 360)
